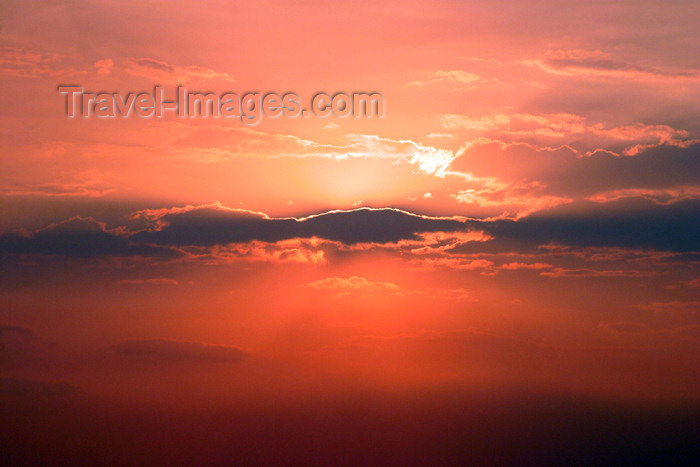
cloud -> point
(516, 256)
(218, 233)
(30, 63)
(459, 77)
(104, 67)
(655, 168)
(516, 266)
(628, 223)
(440, 135)
(162, 72)
(565, 128)
(236, 234)
(564, 172)
(658, 195)
(77, 189)
(599, 64)
(582, 272)
(80, 238)
(452, 262)
(211, 225)
(518, 198)
(297, 250)
(160, 350)
(427, 242)
(429, 159)
(518, 124)
(353, 284)
(209, 143)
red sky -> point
(517, 233)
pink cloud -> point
(30, 63)
(162, 72)
(599, 64)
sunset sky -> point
(511, 250)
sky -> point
(501, 269)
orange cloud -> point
(360, 286)
(466, 264)
(301, 251)
(347, 284)
(104, 67)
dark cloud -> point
(80, 238)
(212, 226)
(564, 173)
(160, 350)
(657, 167)
(632, 222)
(602, 62)
(628, 223)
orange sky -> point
(522, 221)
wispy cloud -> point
(162, 72)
